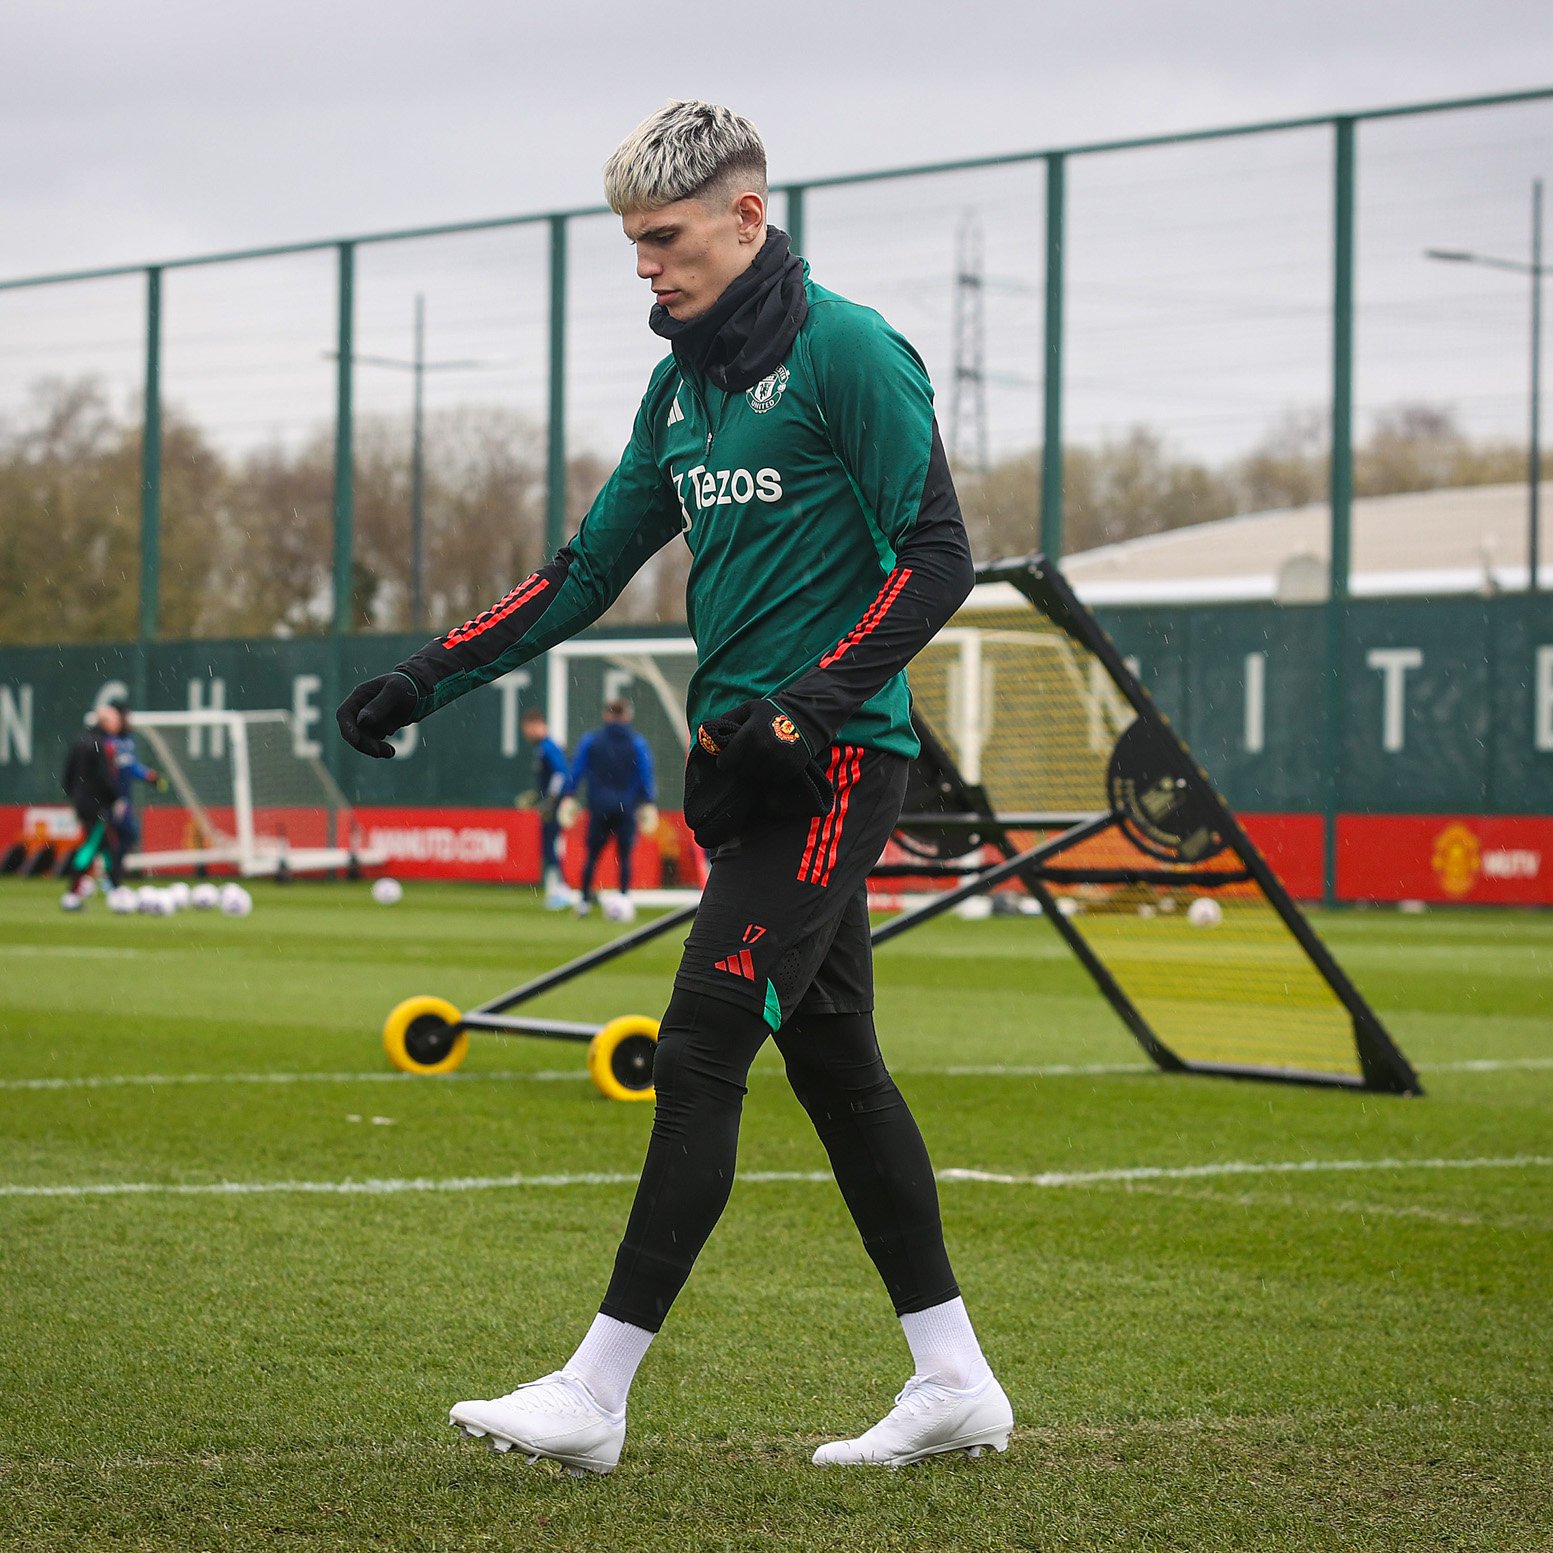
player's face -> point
(688, 252)
(109, 720)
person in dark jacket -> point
(91, 783)
(615, 764)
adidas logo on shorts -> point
(740, 964)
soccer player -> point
(91, 782)
(614, 763)
(129, 770)
(789, 441)
(550, 772)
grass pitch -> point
(1306, 1358)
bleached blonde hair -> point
(686, 150)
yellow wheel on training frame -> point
(419, 1037)
(620, 1058)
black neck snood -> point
(747, 332)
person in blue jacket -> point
(129, 769)
(615, 764)
(550, 774)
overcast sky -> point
(132, 131)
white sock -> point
(606, 1360)
(944, 1347)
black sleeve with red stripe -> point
(932, 576)
(479, 643)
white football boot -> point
(553, 1417)
(928, 1419)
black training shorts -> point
(783, 921)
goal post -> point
(1041, 745)
(242, 794)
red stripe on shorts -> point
(821, 821)
(850, 774)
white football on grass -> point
(235, 900)
(387, 892)
(205, 896)
(1205, 912)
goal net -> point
(1041, 744)
(653, 674)
(242, 795)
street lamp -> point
(419, 366)
(1536, 269)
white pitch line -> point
(1237, 1167)
(394, 1186)
(70, 952)
(1490, 1065)
(1061, 1069)
(1032, 1070)
(562, 1075)
(156, 1080)
(389, 1187)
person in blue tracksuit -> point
(550, 773)
(615, 764)
(128, 769)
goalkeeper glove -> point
(375, 709)
(647, 818)
(566, 813)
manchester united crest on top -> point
(764, 395)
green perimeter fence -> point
(1450, 710)
(1199, 283)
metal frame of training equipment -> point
(1177, 818)
(429, 1035)
(250, 852)
(1191, 822)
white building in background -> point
(1463, 540)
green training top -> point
(793, 498)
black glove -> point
(765, 748)
(374, 709)
(770, 777)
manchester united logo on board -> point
(1458, 860)
(765, 394)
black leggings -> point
(705, 1048)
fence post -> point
(344, 455)
(795, 218)
(1051, 388)
(150, 486)
(555, 465)
(1340, 497)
